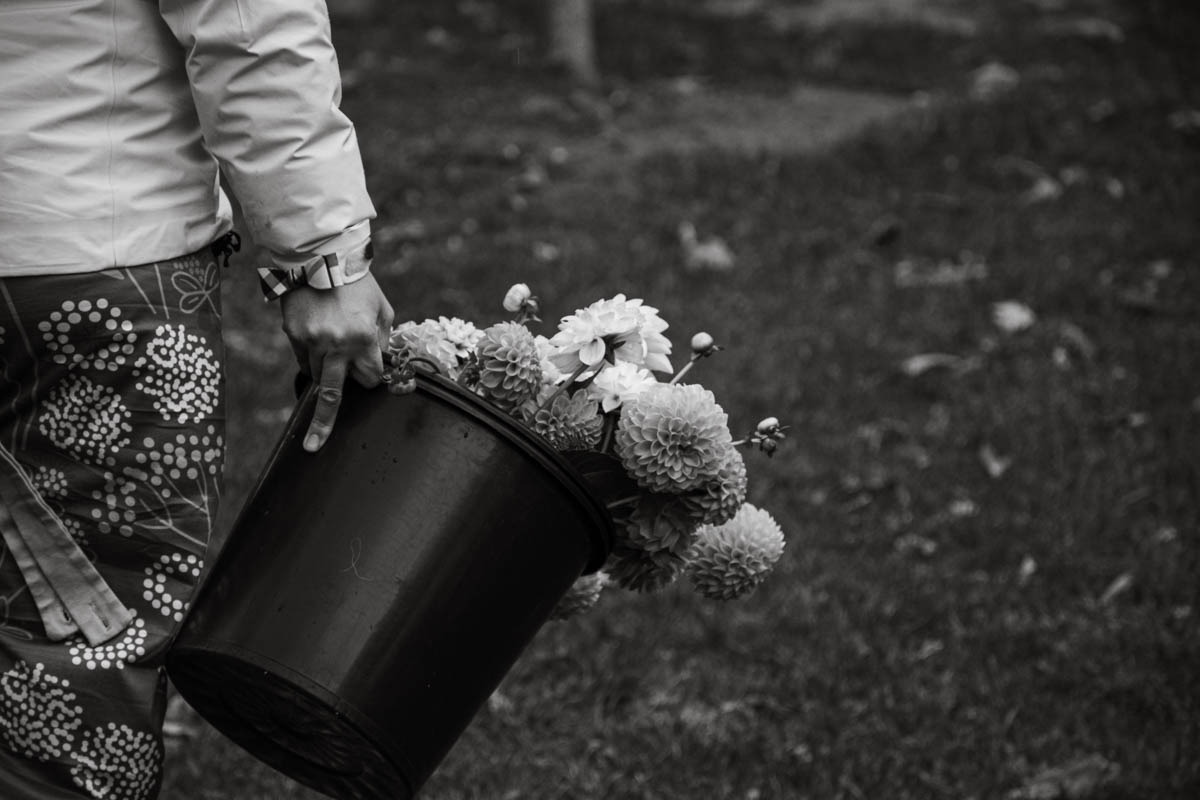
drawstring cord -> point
(226, 246)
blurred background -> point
(952, 244)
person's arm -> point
(265, 81)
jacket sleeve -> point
(265, 80)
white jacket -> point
(114, 116)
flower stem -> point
(582, 368)
(686, 369)
(624, 501)
(610, 427)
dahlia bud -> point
(703, 344)
(768, 426)
(516, 297)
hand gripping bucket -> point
(372, 595)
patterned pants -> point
(112, 422)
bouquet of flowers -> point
(679, 502)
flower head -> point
(551, 374)
(728, 561)
(643, 570)
(424, 340)
(460, 333)
(616, 329)
(582, 595)
(660, 522)
(614, 385)
(509, 369)
(673, 437)
(570, 422)
(718, 500)
(703, 344)
(516, 296)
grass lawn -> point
(993, 564)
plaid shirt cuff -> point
(320, 272)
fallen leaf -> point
(1161, 269)
(1011, 316)
(1166, 534)
(993, 463)
(1043, 189)
(1120, 585)
(545, 251)
(915, 543)
(911, 274)
(1074, 780)
(917, 365)
(962, 507)
(1074, 336)
(992, 80)
(929, 648)
(1026, 571)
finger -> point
(329, 399)
(367, 369)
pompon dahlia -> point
(630, 329)
(509, 370)
(551, 374)
(582, 595)
(673, 438)
(463, 335)
(718, 500)
(728, 561)
(613, 386)
(660, 522)
(424, 340)
(570, 422)
(644, 571)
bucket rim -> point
(601, 531)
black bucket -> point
(372, 595)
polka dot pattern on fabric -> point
(194, 456)
(120, 505)
(130, 646)
(38, 712)
(69, 329)
(51, 483)
(157, 591)
(115, 762)
(181, 373)
(85, 418)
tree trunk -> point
(572, 39)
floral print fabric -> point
(111, 402)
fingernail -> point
(312, 443)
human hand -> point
(335, 332)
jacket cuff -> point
(346, 259)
